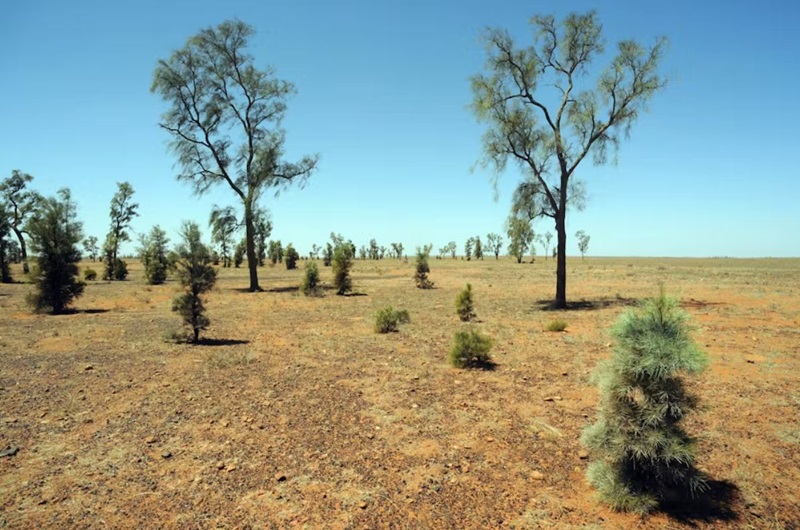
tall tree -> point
(20, 202)
(225, 121)
(495, 244)
(548, 142)
(223, 225)
(55, 234)
(122, 212)
(5, 250)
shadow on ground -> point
(716, 505)
(221, 342)
(588, 305)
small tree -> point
(275, 251)
(315, 250)
(327, 255)
(239, 252)
(224, 226)
(20, 202)
(583, 242)
(465, 305)
(310, 279)
(374, 250)
(520, 235)
(122, 212)
(197, 276)
(362, 252)
(397, 250)
(643, 454)
(290, 257)
(342, 262)
(468, 248)
(90, 247)
(262, 226)
(422, 268)
(478, 251)
(545, 241)
(5, 250)
(453, 248)
(470, 349)
(153, 253)
(55, 234)
(495, 244)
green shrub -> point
(556, 325)
(290, 257)
(388, 319)
(470, 349)
(342, 262)
(120, 270)
(238, 253)
(197, 276)
(465, 306)
(89, 274)
(643, 456)
(153, 254)
(310, 280)
(422, 268)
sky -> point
(383, 97)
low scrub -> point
(556, 326)
(310, 285)
(89, 274)
(389, 319)
(470, 349)
(465, 305)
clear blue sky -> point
(383, 89)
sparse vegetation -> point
(123, 210)
(470, 349)
(20, 203)
(389, 319)
(556, 325)
(342, 262)
(290, 257)
(422, 268)
(643, 455)
(465, 306)
(89, 274)
(153, 253)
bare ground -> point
(294, 413)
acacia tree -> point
(548, 142)
(223, 225)
(495, 244)
(123, 210)
(91, 248)
(225, 121)
(20, 202)
(520, 236)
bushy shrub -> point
(197, 276)
(290, 257)
(310, 280)
(388, 319)
(327, 255)
(55, 233)
(153, 253)
(342, 262)
(470, 349)
(465, 306)
(556, 325)
(422, 268)
(238, 253)
(89, 274)
(643, 456)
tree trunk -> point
(22, 250)
(561, 264)
(250, 233)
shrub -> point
(327, 255)
(465, 306)
(197, 276)
(238, 253)
(290, 257)
(120, 269)
(342, 262)
(470, 349)
(55, 234)
(311, 279)
(89, 274)
(153, 253)
(422, 269)
(556, 325)
(388, 319)
(642, 454)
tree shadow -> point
(716, 504)
(290, 289)
(354, 293)
(588, 305)
(205, 341)
(92, 311)
(486, 366)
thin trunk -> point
(23, 250)
(561, 266)
(250, 232)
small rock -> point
(10, 451)
(537, 475)
(489, 439)
(220, 465)
(88, 367)
(166, 454)
(553, 398)
(583, 455)
(370, 436)
(362, 505)
(230, 467)
(151, 440)
(280, 477)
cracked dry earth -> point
(295, 414)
